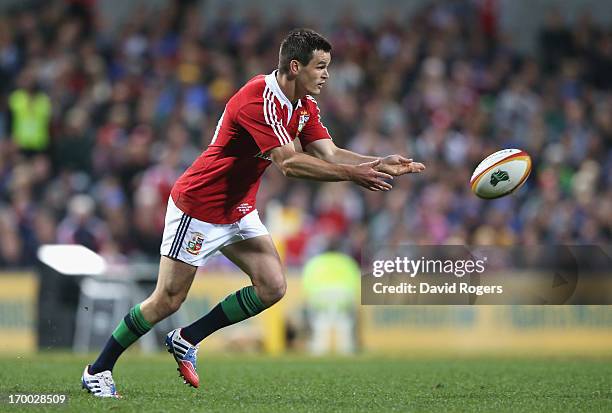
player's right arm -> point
(296, 164)
(255, 110)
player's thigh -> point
(174, 278)
(258, 258)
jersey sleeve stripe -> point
(279, 122)
(272, 119)
(265, 109)
(268, 118)
(219, 123)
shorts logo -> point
(194, 246)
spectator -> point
(30, 110)
(81, 226)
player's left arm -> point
(395, 165)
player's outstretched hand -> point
(397, 165)
(366, 175)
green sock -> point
(127, 332)
(242, 304)
(236, 307)
(131, 327)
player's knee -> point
(169, 304)
(174, 303)
(273, 292)
(278, 292)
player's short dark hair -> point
(299, 45)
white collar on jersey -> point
(278, 92)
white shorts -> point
(193, 241)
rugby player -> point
(272, 119)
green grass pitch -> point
(285, 384)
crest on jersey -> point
(194, 246)
(303, 119)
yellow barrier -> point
(401, 329)
(542, 330)
(18, 298)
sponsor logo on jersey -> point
(303, 119)
(498, 176)
(194, 246)
(244, 207)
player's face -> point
(313, 76)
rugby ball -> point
(501, 173)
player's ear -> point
(294, 67)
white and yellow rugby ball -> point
(501, 173)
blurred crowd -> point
(97, 122)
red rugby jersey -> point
(221, 185)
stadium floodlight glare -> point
(72, 259)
